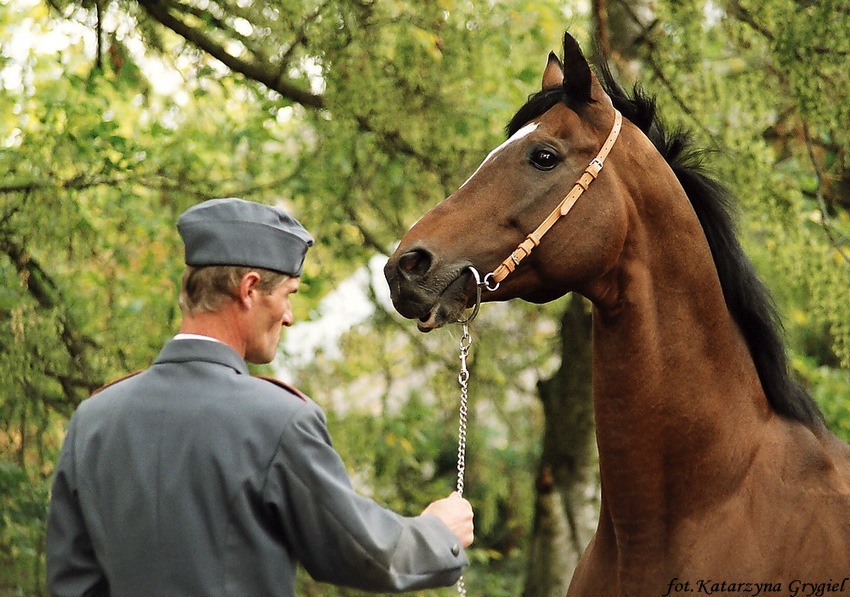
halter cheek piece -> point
(493, 279)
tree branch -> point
(78, 182)
(48, 296)
(161, 11)
(825, 220)
(301, 35)
(745, 16)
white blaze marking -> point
(524, 131)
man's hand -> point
(456, 512)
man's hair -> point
(206, 289)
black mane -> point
(747, 299)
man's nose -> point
(288, 318)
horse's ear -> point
(553, 76)
(577, 75)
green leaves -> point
(360, 117)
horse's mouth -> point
(450, 304)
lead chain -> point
(463, 378)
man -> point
(195, 478)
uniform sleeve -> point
(343, 538)
(72, 569)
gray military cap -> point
(238, 232)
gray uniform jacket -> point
(195, 478)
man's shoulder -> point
(109, 395)
(274, 400)
(116, 381)
(263, 392)
(275, 385)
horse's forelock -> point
(536, 105)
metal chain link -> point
(463, 378)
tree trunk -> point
(567, 503)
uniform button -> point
(455, 549)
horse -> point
(718, 473)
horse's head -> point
(551, 141)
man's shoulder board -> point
(284, 385)
(115, 381)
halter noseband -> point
(493, 279)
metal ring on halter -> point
(488, 279)
(478, 285)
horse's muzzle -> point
(421, 289)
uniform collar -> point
(184, 350)
(195, 337)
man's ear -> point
(247, 288)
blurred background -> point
(359, 116)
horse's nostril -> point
(415, 264)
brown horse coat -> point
(718, 473)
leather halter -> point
(492, 280)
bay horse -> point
(718, 473)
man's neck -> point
(222, 326)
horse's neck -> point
(677, 398)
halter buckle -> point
(594, 167)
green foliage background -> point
(99, 153)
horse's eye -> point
(544, 159)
